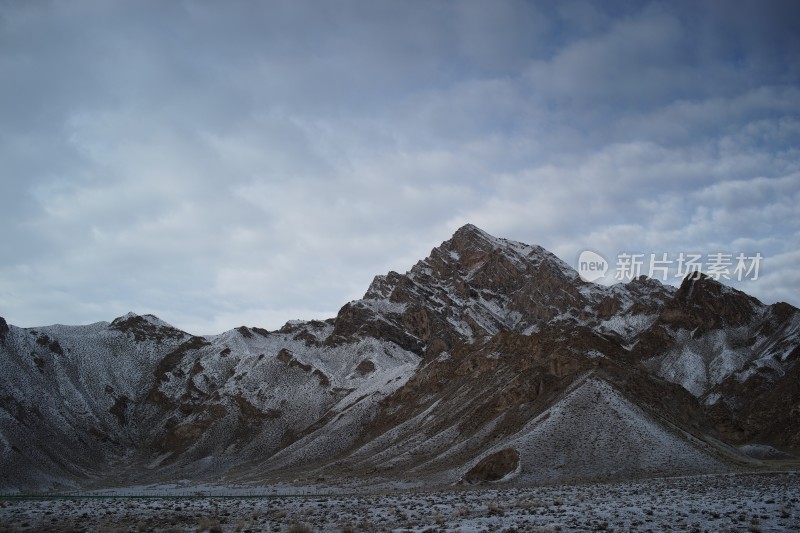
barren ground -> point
(736, 502)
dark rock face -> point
(366, 366)
(702, 304)
(357, 320)
(143, 328)
(494, 467)
(3, 328)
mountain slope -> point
(140, 399)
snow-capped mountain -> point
(488, 360)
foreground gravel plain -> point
(737, 502)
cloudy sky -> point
(251, 162)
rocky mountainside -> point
(488, 360)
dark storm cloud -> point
(254, 162)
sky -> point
(252, 162)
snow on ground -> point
(734, 502)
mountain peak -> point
(144, 326)
(703, 303)
(150, 318)
(475, 285)
(471, 229)
(698, 287)
(470, 239)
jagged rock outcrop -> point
(702, 304)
